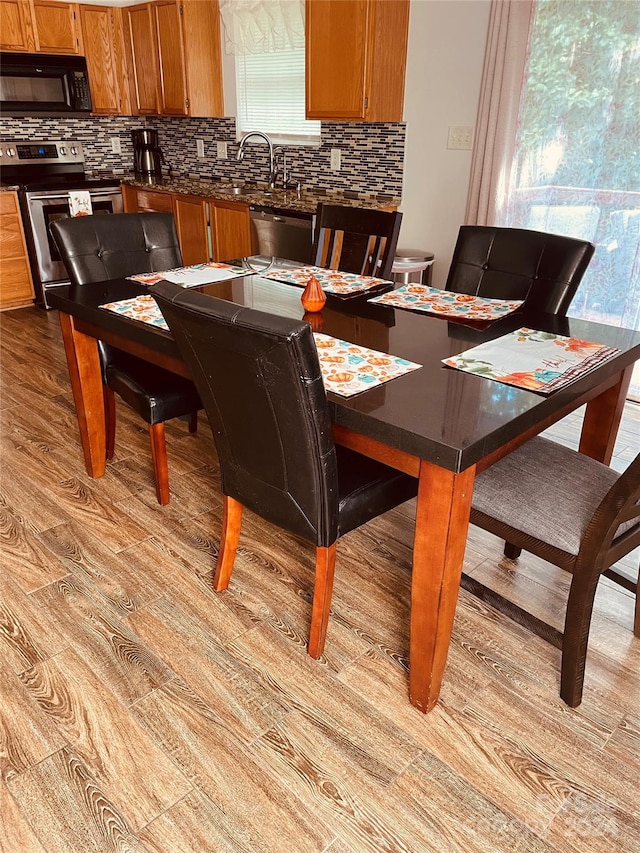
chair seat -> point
(545, 508)
(157, 395)
(368, 488)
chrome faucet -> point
(272, 168)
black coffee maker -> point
(147, 154)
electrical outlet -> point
(200, 147)
(221, 148)
(115, 145)
(460, 138)
(336, 159)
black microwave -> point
(39, 84)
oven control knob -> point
(62, 150)
(11, 152)
(74, 150)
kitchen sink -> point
(241, 189)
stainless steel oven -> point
(42, 208)
(48, 173)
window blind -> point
(271, 96)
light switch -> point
(460, 138)
(336, 159)
(221, 148)
(200, 147)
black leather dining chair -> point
(100, 247)
(573, 512)
(356, 239)
(514, 263)
(259, 378)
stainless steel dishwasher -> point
(282, 233)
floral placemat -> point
(143, 308)
(348, 369)
(335, 282)
(446, 303)
(193, 275)
(537, 361)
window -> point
(576, 163)
(271, 96)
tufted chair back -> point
(514, 263)
(100, 247)
(260, 382)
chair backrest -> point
(614, 529)
(259, 378)
(514, 263)
(100, 247)
(355, 239)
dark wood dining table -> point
(437, 423)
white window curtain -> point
(495, 137)
(262, 26)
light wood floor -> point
(140, 711)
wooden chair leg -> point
(193, 422)
(511, 552)
(636, 621)
(109, 419)
(576, 636)
(322, 590)
(231, 523)
(160, 466)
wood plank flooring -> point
(140, 711)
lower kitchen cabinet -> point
(230, 228)
(209, 229)
(191, 222)
(16, 285)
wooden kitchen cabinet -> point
(230, 229)
(141, 51)
(104, 50)
(176, 57)
(208, 229)
(191, 223)
(40, 26)
(16, 25)
(356, 54)
(56, 27)
(16, 284)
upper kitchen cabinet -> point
(356, 53)
(141, 42)
(16, 27)
(103, 47)
(41, 26)
(177, 43)
(56, 27)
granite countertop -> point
(304, 201)
(8, 188)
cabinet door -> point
(16, 31)
(56, 27)
(98, 35)
(191, 224)
(16, 286)
(336, 33)
(173, 89)
(231, 230)
(356, 53)
(144, 60)
(202, 57)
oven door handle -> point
(92, 193)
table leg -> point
(602, 419)
(83, 361)
(442, 522)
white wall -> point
(444, 67)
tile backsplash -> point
(372, 155)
